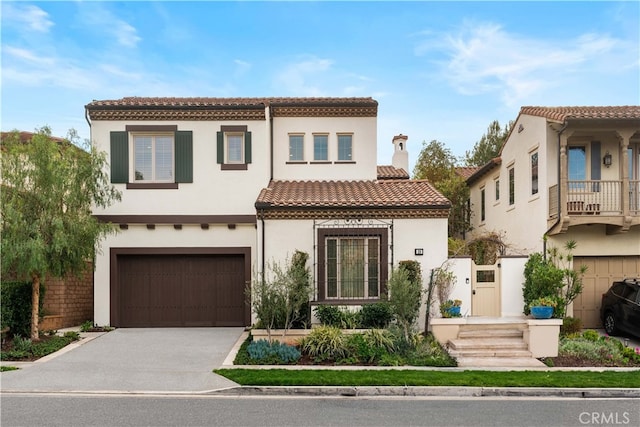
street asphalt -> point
(181, 360)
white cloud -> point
(485, 58)
(98, 18)
(295, 78)
(27, 55)
(34, 18)
(125, 34)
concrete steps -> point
(492, 345)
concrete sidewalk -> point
(163, 360)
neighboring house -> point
(572, 173)
(216, 189)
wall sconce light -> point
(520, 128)
(606, 160)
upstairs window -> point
(497, 186)
(534, 173)
(512, 186)
(233, 147)
(153, 158)
(320, 147)
(577, 166)
(296, 148)
(345, 148)
(482, 205)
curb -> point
(308, 391)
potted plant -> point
(451, 308)
(543, 307)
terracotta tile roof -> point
(391, 172)
(563, 113)
(135, 101)
(148, 108)
(466, 171)
(351, 194)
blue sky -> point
(439, 70)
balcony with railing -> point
(611, 203)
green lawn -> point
(283, 377)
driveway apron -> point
(134, 360)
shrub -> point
(376, 315)
(600, 350)
(16, 306)
(591, 335)
(272, 353)
(329, 315)
(325, 343)
(86, 326)
(570, 326)
(278, 298)
(406, 295)
(552, 278)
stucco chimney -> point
(400, 159)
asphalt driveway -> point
(134, 360)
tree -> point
(489, 145)
(49, 187)
(456, 190)
(435, 162)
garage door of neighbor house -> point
(164, 290)
(601, 271)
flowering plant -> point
(544, 302)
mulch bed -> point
(578, 362)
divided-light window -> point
(296, 148)
(234, 148)
(320, 147)
(153, 158)
(352, 267)
(345, 148)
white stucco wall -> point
(524, 223)
(283, 237)
(213, 191)
(511, 281)
(591, 240)
(364, 130)
(164, 236)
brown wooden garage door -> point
(601, 272)
(165, 290)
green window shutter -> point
(119, 157)
(184, 156)
(247, 147)
(220, 150)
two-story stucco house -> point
(572, 173)
(216, 189)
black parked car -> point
(620, 310)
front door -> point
(485, 290)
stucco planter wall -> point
(445, 329)
(542, 337)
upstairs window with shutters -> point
(149, 156)
(233, 147)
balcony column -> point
(564, 177)
(624, 137)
